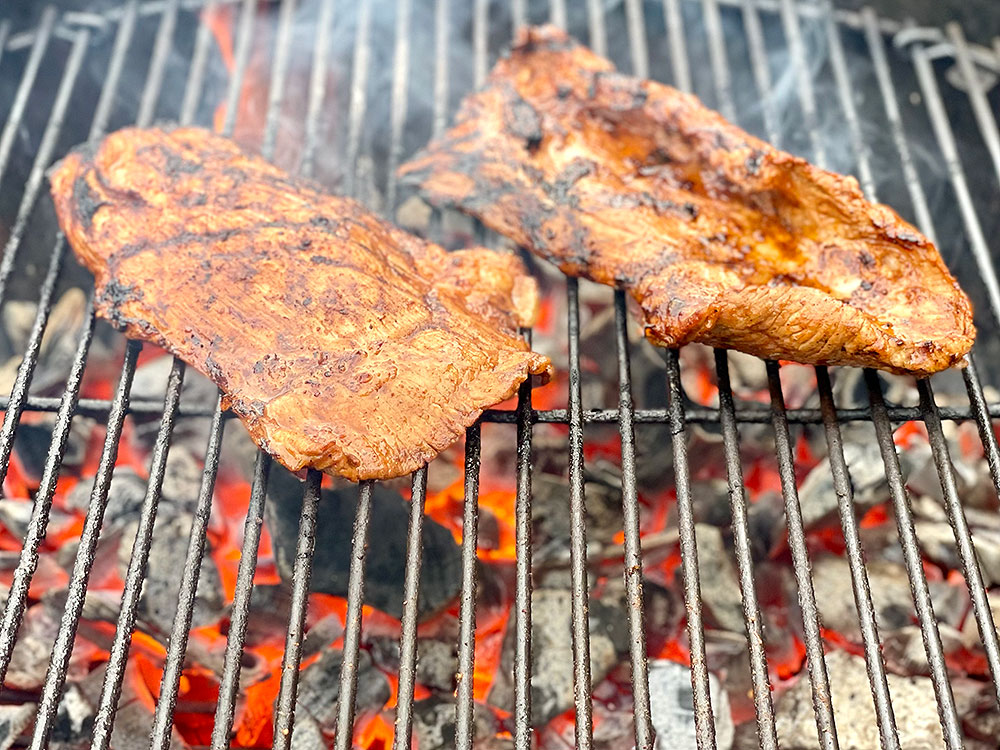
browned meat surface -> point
(343, 343)
(719, 237)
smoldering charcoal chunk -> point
(671, 704)
(818, 497)
(125, 496)
(912, 700)
(434, 723)
(720, 588)
(74, 719)
(552, 652)
(306, 734)
(163, 573)
(440, 577)
(319, 687)
(437, 661)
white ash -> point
(720, 589)
(912, 698)
(671, 702)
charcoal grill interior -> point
(751, 59)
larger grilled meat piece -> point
(719, 237)
(343, 343)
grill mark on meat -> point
(343, 343)
(721, 238)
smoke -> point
(359, 89)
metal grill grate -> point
(63, 42)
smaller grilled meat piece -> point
(720, 238)
(342, 342)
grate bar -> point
(177, 645)
(963, 537)
(279, 70)
(759, 65)
(869, 629)
(703, 720)
(55, 676)
(196, 75)
(923, 605)
(161, 52)
(929, 409)
(842, 79)
(876, 49)
(979, 406)
(719, 59)
(14, 608)
(949, 149)
(284, 720)
(557, 13)
(914, 567)
(480, 19)
(748, 414)
(244, 41)
(518, 13)
(115, 669)
(284, 715)
(4, 34)
(160, 735)
(229, 682)
(76, 590)
(522, 586)
(644, 736)
(764, 708)
(991, 136)
(855, 558)
(22, 380)
(797, 544)
(464, 705)
(411, 595)
(676, 44)
(595, 22)
(400, 81)
(790, 23)
(584, 731)
(636, 22)
(440, 67)
(359, 99)
(28, 562)
(317, 87)
(43, 157)
(38, 47)
(352, 625)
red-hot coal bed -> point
(728, 658)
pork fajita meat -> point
(719, 237)
(343, 343)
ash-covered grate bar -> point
(752, 616)
(811, 626)
(229, 682)
(701, 700)
(584, 730)
(114, 673)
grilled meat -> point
(343, 343)
(719, 237)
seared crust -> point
(720, 238)
(342, 342)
